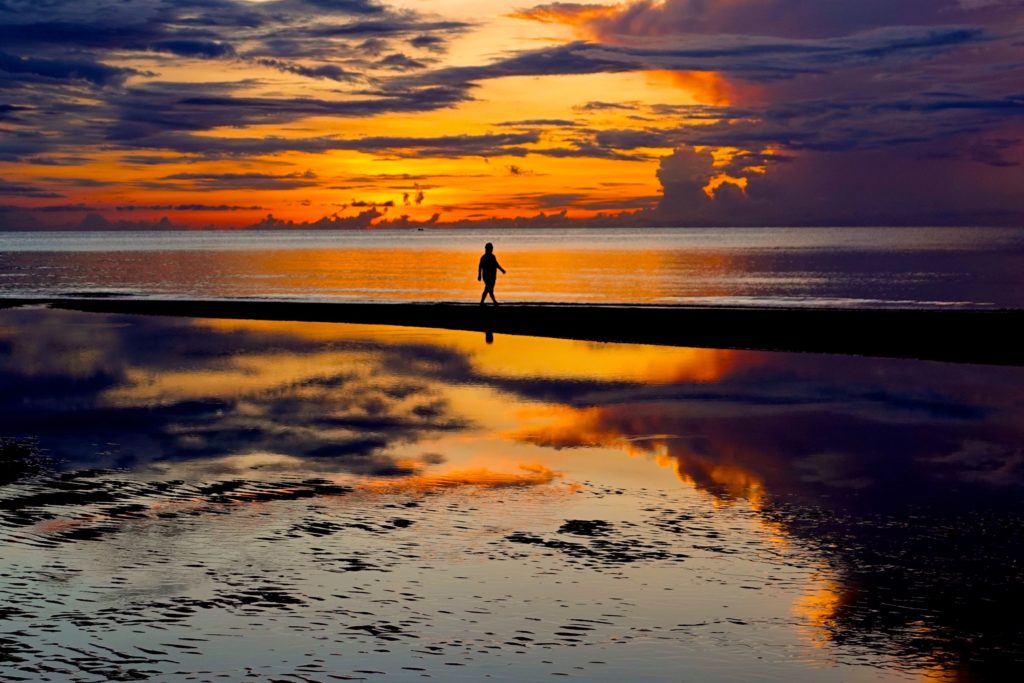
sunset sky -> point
(358, 113)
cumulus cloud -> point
(863, 187)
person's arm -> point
(499, 267)
(480, 269)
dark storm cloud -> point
(348, 6)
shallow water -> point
(227, 500)
(851, 267)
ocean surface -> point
(866, 267)
(211, 500)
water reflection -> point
(900, 480)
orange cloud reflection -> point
(645, 433)
(531, 474)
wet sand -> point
(955, 335)
(203, 500)
(112, 575)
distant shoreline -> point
(955, 335)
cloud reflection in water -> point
(902, 477)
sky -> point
(350, 114)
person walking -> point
(488, 272)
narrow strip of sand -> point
(955, 335)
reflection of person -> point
(488, 272)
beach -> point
(668, 341)
(691, 456)
(194, 498)
(967, 336)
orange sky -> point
(452, 110)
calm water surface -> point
(903, 267)
(224, 500)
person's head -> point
(488, 247)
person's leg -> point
(490, 291)
(483, 297)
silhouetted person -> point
(488, 272)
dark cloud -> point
(755, 58)
(195, 48)
(79, 182)
(328, 71)
(897, 84)
(360, 221)
(558, 123)
(597, 105)
(16, 68)
(59, 57)
(243, 181)
(147, 111)
(11, 112)
(494, 144)
(427, 42)
(401, 62)
(186, 207)
(780, 18)
(384, 28)
(850, 187)
(631, 139)
(845, 123)
(19, 189)
(48, 208)
(58, 161)
(584, 148)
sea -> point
(831, 267)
